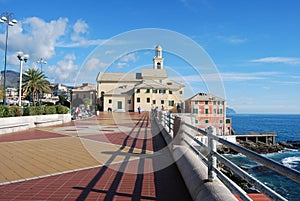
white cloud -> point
(79, 28)
(65, 70)
(122, 64)
(94, 63)
(232, 39)
(231, 76)
(129, 57)
(284, 60)
(35, 37)
(109, 52)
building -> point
(150, 88)
(209, 110)
(84, 96)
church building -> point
(147, 89)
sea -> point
(287, 128)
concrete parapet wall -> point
(195, 174)
(26, 122)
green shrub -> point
(60, 109)
(2, 111)
(17, 111)
(40, 110)
(29, 111)
(50, 110)
(12, 111)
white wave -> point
(291, 162)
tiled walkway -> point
(114, 156)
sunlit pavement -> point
(107, 157)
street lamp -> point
(6, 18)
(42, 61)
(22, 57)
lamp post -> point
(42, 61)
(22, 57)
(6, 18)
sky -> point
(254, 45)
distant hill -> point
(230, 111)
(12, 78)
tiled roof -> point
(205, 97)
(112, 76)
(165, 84)
(150, 73)
(121, 90)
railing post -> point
(163, 119)
(177, 133)
(212, 160)
(169, 123)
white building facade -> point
(148, 89)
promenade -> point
(113, 156)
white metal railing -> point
(177, 128)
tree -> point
(35, 83)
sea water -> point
(287, 128)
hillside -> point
(230, 111)
(12, 79)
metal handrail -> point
(271, 164)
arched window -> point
(158, 65)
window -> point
(158, 65)
(162, 102)
(221, 111)
(227, 121)
(215, 111)
(153, 102)
(148, 100)
(206, 121)
(147, 91)
(138, 100)
(129, 101)
(109, 101)
(195, 111)
(206, 102)
(154, 91)
(180, 92)
(170, 92)
(171, 103)
(196, 102)
(162, 91)
(84, 96)
(196, 121)
(138, 90)
(221, 121)
(215, 102)
(206, 111)
(119, 104)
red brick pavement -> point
(30, 134)
(111, 182)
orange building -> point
(209, 110)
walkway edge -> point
(194, 173)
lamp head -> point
(25, 57)
(3, 18)
(20, 55)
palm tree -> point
(35, 83)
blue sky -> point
(254, 44)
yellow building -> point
(150, 88)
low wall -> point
(26, 122)
(194, 172)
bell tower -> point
(158, 60)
